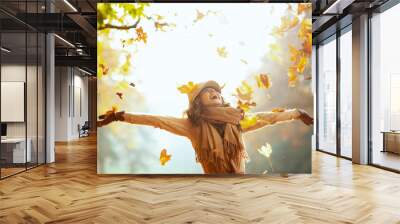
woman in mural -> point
(212, 126)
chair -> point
(84, 130)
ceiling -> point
(328, 16)
(74, 21)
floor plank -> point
(70, 191)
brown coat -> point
(183, 127)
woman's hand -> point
(110, 116)
(305, 118)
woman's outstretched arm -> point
(178, 126)
(269, 118)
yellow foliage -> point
(263, 81)
(164, 157)
(302, 64)
(244, 92)
(292, 76)
(275, 110)
(245, 106)
(141, 35)
(222, 52)
(188, 88)
(304, 8)
(248, 121)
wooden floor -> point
(70, 191)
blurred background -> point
(147, 51)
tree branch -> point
(110, 26)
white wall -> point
(71, 94)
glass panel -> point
(13, 77)
(31, 86)
(346, 94)
(41, 99)
(31, 99)
(327, 96)
(385, 84)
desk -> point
(15, 148)
(391, 141)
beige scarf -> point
(225, 153)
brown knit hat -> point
(202, 85)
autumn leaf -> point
(222, 52)
(127, 64)
(132, 84)
(307, 45)
(104, 69)
(292, 76)
(303, 7)
(308, 77)
(265, 150)
(294, 53)
(244, 92)
(305, 29)
(114, 108)
(199, 16)
(141, 35)
(275, 110)
(248, 121)
(158, 17)
(302, 64)
(245, 106)
(119, 94)
(188, 88)
(263, 81)
(164, 157)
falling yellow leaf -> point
(307, 45)
(188, 88)
(127, 64)
(263, 81)
(158, 17)
(104, 69)
(199, 16)
(294, 53)
(164, 157)
(305, 29)
(287, 22)
(248, 121)
(265, 150)
(303, 7)
(302, 64)
(141, 35)
(292, 76)
(222, 52)
(244, 61)
(278, 110)
(245, 106)
(307, 77)
(244, 92)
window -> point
(385, 89)
(346, 93)
(327, 96)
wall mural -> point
(209, 88)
